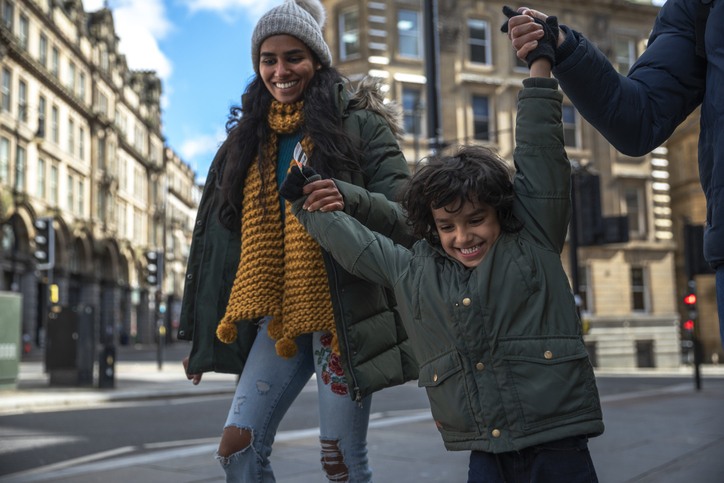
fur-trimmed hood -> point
(368, 95)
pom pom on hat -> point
(302, 19)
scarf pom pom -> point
(274, 328)
(226, 333)
(286, 348)
(335, 345)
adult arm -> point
(638, 112)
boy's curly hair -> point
(473, 174)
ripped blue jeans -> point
(266, 390)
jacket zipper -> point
(358, 396)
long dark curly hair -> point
(472, 174)
(247, 131)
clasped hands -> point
(323, 193)
(526, 34)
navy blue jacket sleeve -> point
(638, 112)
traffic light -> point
(44, 243)
(690, 323)
(152, 271)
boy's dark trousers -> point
(563, 461)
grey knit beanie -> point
(302, 19)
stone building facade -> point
(629, 296)
(81, 142)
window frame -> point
(641, 212)
(7, 90)
(343, 56)
(418, 35)
(631, 57)
(43, 50)
(489, 136)
(55, 61)
(643, 289)
(21, 166)
(41, 186)
(575, 126)
(23, 31)
(486, 43)
(22, 101)
(410, 114)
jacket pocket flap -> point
(434, 372)
(545, 350)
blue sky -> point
(201, 51)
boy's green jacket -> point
(500, 346)
(375, 350)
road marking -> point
(89, 464)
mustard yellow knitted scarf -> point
(281, 271)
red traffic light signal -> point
(689, 325)
(690, 299)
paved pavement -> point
(669, 435)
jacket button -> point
(190, 276)
(434, 378)
(198, 223)
(480, 366)
(496, 433)
(466, 301)
(181, 333)
(548, 355)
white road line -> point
(88, 464)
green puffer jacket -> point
(375, 350)
(500, 346)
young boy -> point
(484, 297)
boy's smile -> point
(467, 233)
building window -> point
(4, 159)
(100, 205)
(81, 144)
(411, 110)
(408, 28)
(70, 192)
(41, 178)
(23, 32)
(20, 169)
(104, 60)
(6, 92)
(54, 125)
(41, 117)
(54, 185)
(71, 76)
(22, 101)
(570, 126)
(81, 86)
(639, 289)
(103, 104)
(80, 198)
(481, 118)
(8, 14)
(71, 137)
(645, 353)
(479, 38)
(625, 54)
(55, 62)
(635, 210)
(102, 153)
(349, 34)
(43, 50)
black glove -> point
(291, 188)
(546, 45)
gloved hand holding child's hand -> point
(291, 188)
(546, 45)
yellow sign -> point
(162, 330)
(54, 293)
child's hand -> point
(293, 186)
(533, 34)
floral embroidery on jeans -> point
(332, 372)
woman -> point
(261, 298)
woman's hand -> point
(525, 33)
(195, 378)
(323, 196)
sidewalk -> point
(669, 435)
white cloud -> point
(140, 24)
(230, 9)
(201, 145)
